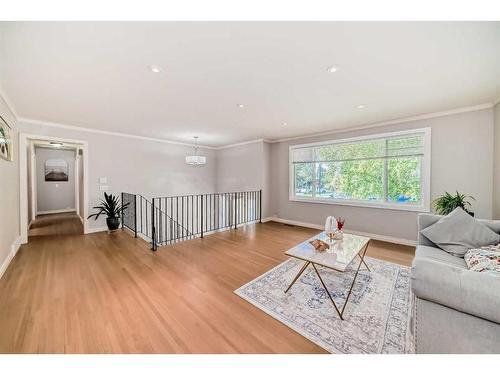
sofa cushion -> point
(458, 232)
(439, 255)
(442, 278)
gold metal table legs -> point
(361, 255)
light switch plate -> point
(103, 187)
(103, 180)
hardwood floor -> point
(109, 293)
(56, 225)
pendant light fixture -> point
(196, 159)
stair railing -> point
(166, 220)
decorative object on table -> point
(447, 202)
(330, 227)
(340, 231)
(6, 150)
(112, 208)
(379, 311)
(320, 245)
(56, 170)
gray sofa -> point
(456, 310)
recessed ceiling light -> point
(361, 106)
(56, 144)
(239, 105)
(332, 69)
(155, 68)
(284, 124)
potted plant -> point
(112, 208)
(447, 202)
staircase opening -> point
(167, 220)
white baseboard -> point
(297, 223)
(64, 210)
(379, 237)
(81, 219)
(97, 229)
(13, 251)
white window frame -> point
(425, 173)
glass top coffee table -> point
(338, 257)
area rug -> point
(376, 318)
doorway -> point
(54, 188)
(54, 185)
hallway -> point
(56, 225)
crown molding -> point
(391, 122)
(118, 134)
(260, 140)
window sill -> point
(386, 206)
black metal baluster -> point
(140, 200)
(216, 209)
(177, 236)
(171, 220)
(260, 206)
(254, 205)
(246, 206)
(235, 210)
(135, 216)
(182, 217)
(146, 217)
(201, 216)
(153, 233)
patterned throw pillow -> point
(485, 259)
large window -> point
(387, 170)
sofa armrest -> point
(424, 221)
(474, 293)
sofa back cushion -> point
(426, 220)
(458, 232)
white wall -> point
(240, 168)
(462, 159)
(9, 195)
(245, 168)
(496, 166)
(133, 165)
(54, 196)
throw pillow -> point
(485, 259)
(458, 232)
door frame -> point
(33, 170)
(24, 139)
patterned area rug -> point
(376, 317)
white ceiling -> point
(96, 75)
